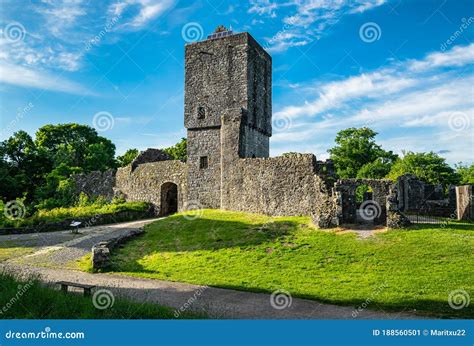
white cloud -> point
(308, 18)
(148, 10)
(263, 7)
(458, 56)
(26, 77)
(61, 14)
(333, 95)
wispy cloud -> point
(308, 19)
(26, 77)
(458, 56)
(144, 11)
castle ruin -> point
(228, 117)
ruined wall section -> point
(144, 183)
(272, 186)
(96, 183)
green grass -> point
(398, 270)
(14, 252)
(28, 299)
(60, 214)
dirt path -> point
(56, 249)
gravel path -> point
(55, 250)
(215, 302)
(60, 249)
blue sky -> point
(403, 68)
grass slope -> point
(27, 299)
(399, 270)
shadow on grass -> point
(177, 233)
(448, 226)
(27, 297)
(421, 307)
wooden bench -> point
(65, 284)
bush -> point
(98, 207)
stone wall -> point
(465, 202)
(96, 183)
(416, 197)
(273, 186)
(376, 205)
(150, 155)
(204, 183)
(145, 182)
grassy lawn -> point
(398, 270)
(10, 249)
(27, 299)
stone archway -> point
(169, 199)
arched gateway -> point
(169, 199)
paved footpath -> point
(63, 247)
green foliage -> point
(40, 169)
(466, 173)
(22, 166)
(127, 158)
(290, 153)
(77, 146)
(260, 253)
(40, 302)
(58, 189)
(355, 148)
(360, 191)
(178, 151)
(92, 208)
(118, 199)
(377, 169)
(429, 167)
(83, 200)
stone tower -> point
(227, 111)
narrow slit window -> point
(201, 113)
(203, 162)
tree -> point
(76, 146)
(466, 173)
(59, 188)
(429, 167)
(178, 151)
(355, 148)
(23, 166)
(127, 158)
(377, 169)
